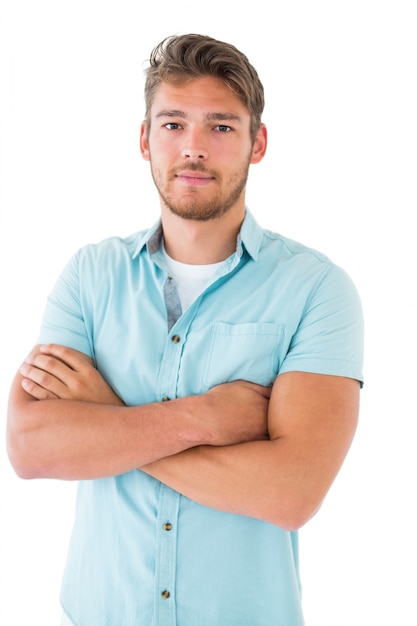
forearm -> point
(311, 421)
(72, 439)
(266, 480)
(77, 436)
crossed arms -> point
(240, 448)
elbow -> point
(21, 430)
(294, 515)
(22, 469)
(25, 439)
(294, 522)
(21, 455)
(19, 463)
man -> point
(201, 379)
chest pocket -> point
(251, 351)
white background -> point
(340, 175)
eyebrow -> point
(211, 117)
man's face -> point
(199, 148)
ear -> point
(259, 146)
(143, 142)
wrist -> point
(194, 414)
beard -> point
(194, 203)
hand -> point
(55, 371)
(238, 412)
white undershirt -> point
(190, 280)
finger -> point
(49, 364)
(72, 358)
(37, 392)
(264, 391)
(42, 378)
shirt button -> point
(165, 594)
(165, 399)
(175, 338)
(167, 526)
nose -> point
(194, 147)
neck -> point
(198, 242)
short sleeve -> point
(63, 320)
(330, 336)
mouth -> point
(198, 179)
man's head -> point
(179, 59)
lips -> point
(190, 177)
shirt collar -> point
(250, 238)
(151, 238)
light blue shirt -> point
(141, 554)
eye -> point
(172, 126)
(223, 128)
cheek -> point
(162, 151)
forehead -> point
(205, 95)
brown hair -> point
(181, 58)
